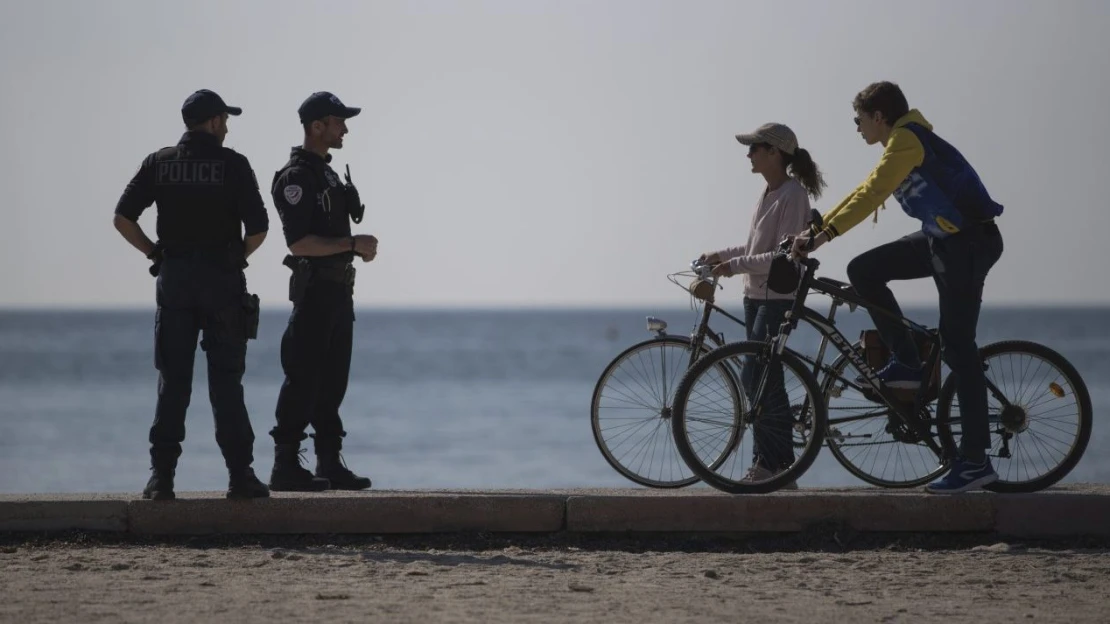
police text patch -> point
(293, 194)
(189, 172)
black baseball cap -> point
(322, 104)
(204, 105)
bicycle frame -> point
(703, 331)
(908, 412)
(823, 324)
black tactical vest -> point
(195, 188)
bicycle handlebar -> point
(787, 245)
(703, 271)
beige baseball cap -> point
(774, 134)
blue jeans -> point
(773, 442)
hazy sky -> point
(550, 153)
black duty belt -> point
(330, 271)
(343, 274)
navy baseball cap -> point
(204, 105)
(322, 104)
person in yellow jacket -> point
(957, 245)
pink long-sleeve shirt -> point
(779, 213)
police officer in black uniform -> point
(203, 192)
(314, 206)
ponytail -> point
(801, 166)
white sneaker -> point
(759, 473)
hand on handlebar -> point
(806, 243)
(710, 257)
(705, 270)
(723, 269)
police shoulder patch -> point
(293, 194)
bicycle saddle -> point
(835, 283)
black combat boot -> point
(163, 465)
(330, 465)
(160, 485)
(288, 474)
(243, 484)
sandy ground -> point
(531, 579)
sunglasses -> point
(758, 146)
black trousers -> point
(959, 265)
(316, 358)
(198, 293)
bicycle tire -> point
(837, 368)
(718, 357)
(1073, 380)
(630, 472)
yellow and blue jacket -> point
(929, 178)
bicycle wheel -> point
(1041, 435)
(631, 411)
(868, 439)
(711, 440)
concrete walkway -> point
(1065, 511)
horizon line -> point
(542, 307)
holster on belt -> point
(252, 315)
(298, 281)
(306, 271)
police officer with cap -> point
(204, 193)
(314, 207)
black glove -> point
(354, 204)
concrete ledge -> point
(370, 513)
(63, 515)
(780, 512)
(1057, 515)
(1071, 511)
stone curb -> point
(1074, 511)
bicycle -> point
(670, 355)
(675, 353)
(625, 386)
(905, 416)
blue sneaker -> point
(964, 476)
(896, 375)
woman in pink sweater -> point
(783, 210)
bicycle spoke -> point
(867, 444)
(724, 446)
(1043, 423)
(631, 413)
